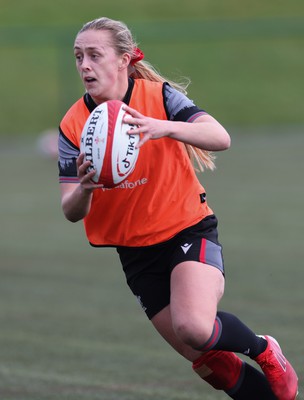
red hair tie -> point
(138, 55)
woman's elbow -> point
(226, 141)
(71, 214)
(71, 217)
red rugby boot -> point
(281, 376)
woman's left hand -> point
(150, 128)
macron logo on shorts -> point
(186, 247)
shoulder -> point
(147, 98)
(145, 84)
(179, 107)
(73, 112)
(72, 123)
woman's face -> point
(103, 72)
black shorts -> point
(148, 269)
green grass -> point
(70, 329)
(245, 58)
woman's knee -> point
(194, 332)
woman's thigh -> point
(188, 321)
(196, 290)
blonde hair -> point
(123, 42)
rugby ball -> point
(106, 143)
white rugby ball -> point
(106, 143)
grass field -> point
(70, 329)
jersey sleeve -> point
(68, 153)
(179, 107)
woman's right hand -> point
(85, 177)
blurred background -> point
(69, 328)
(245, 60)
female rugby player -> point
(164, 230)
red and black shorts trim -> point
(148, 269)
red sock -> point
(221, 369)
(226, 371)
